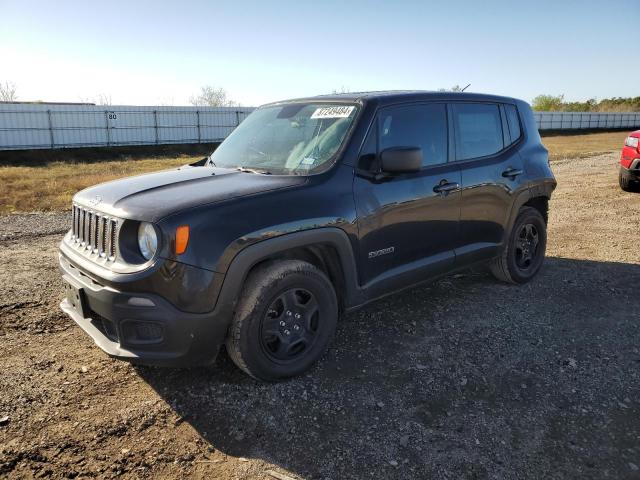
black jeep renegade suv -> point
(311, 207)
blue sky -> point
(160, 52)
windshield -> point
(290, 139)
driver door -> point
(408, 223)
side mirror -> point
(401, 159)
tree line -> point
(557, 103)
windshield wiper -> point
(253, 170)
(210, 161)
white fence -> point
(586, 120)
(31, 126)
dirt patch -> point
(463, 378)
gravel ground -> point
(33, 224)
(463, 378)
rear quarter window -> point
(513, 121)
(478, 130)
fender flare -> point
(523, 197)
(250, 256)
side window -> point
(423, 125)
(513, 121)
(478, 130)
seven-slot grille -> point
(94, 231)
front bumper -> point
(140, 327)
(633, 172)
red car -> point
(630, 163)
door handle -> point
(445, 187)
(512, 173)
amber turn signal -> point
(182, 239)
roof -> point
(395, 96)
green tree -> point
(551, 103)
(548, 103)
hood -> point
(153, 196)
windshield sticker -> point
(334, 111)
(308, 161)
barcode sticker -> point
(333, 111)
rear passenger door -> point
(492, 175)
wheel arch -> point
(327, 248)
(323, 256)
(537, 200)
(540, 203)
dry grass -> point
(580, 146)
(51, 186)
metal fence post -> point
(50, 128)
(198, 118)
(106, 122)
(237, 118)
(155, 124)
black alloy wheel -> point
(526, 246)
(290, 325)
(284, 320)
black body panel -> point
(153, 196)
(375, 232)
(406, 215)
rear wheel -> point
(525, 250)
(284, 321)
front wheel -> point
(284, 322)
(525, 250)
(626, 183)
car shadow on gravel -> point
(464, 377)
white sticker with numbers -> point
(334, 111)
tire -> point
(521, 259)
(284, 321)
(626, 183)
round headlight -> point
(147, 240)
